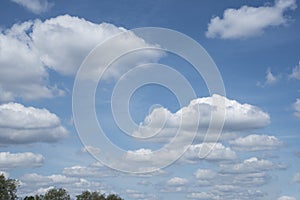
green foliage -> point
(8, 188)
(86, 195)
(57, 194)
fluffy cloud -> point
(15, 160)
(61, 44)
(256, 143)
(249, 21)
(205, 174)
(286, 198)
(32, 184)
(93, 170)
(238, 117)
(296, 72)
(202, 195)
(296, 106)
(251, 165)
(22, 125)
(177, 181)
(208, 152)
(35, 6)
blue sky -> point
(255, 46)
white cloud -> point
(249, 21)
(38, 184)
(208, 152)
(296, 72)
(251, 165)
(61, 44)
(296, 178)
(93, 170)
(205, 174)
(296, 106)
(270, 78)
(20, 160)
(238, 117)
(202, 195)
(177, 181)
(286, 198)
(21, 125)
(22, 73)
(256, 143)
(35, 6)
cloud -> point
(60, 44)
(23, 125)
(271, 79)
(205, 174)
(296, 106)
(25, 76)
(251, 165)
(296, 72)
(238, 117)
(177, 181)
(296, 178)
(249, 21)
(208, 151)
(256, 143)
(93, 170)
(20, 160)
(286, 198)
(33, 183)
(202, 195)
(35, 6)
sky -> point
(151, 99)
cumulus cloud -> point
(251, 165)
(35, 6)
(208, 152)
(296, 72)
(249, 21)
(61, 44)
(177, 181)
(16, 160)
(238, 117)
(296, 106)
(23, 125)
(202, 195)
(33, 183)
(256, 143)
(286, 198)
(93, 170)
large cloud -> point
(249, 21)
(23, 125)
(256, 143)
(20, 160)
(238, 117)
(61, 44)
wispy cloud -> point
(249, 21)
(270, 79)
(35, 6)
(296, 72)
(296, 107)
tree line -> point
(8, 191)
